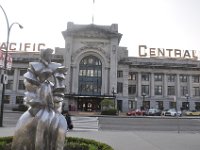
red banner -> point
(2, 59)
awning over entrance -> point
(89, 103)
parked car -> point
(173, 112)
(136, 112)
(164, 111)
(192, 113)
(154, 112)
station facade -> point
(98, 68)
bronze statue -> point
(42, 126)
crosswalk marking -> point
(85, 123)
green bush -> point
(109, 112)
(107, 104)
(72, 143)
(5, 143)
(76, 146)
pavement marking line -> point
(85, 123)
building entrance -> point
(89, 104)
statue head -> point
(46, 54)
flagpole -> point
(93, 12)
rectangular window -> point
(21, 85)
(172, 105)
(6, 99)
(9, 86)
(10, 72)
(131, 89)
(184, 90)
(130, 104)
(158, 90)
(19, 99)
(171, 78)
(158, 77)
(119, 87)
(183, 78)
(120, 74)
(145, 77)
(196, 91)
(171, 90)
(197, 106)
(160, 105)
(132, 76)
(145, 89)
(22, 71)
(195, 79)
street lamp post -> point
(187, 98)
(135, 102)
(4, 73)
(113, 92)
(143, 100)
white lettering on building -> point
(144, 51)
(22, 46)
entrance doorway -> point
(89, 104)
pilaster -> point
(139, 84)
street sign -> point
(9, 62)
(4, 78)
(2, 60)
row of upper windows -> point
(19, 99)
(159, 77)
(21, 72)
(21, 86)
(158, 90)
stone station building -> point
(99, 68)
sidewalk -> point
(129, 140)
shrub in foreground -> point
(72, 143)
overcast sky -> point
(155, 23)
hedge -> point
(109, 112)
(72, 143)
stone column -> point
(190, 86)
(67, 62)
(74, 81)
(15, 79)
(177, 85)
(113, 64)
(139, 85)
(105, 82)
(125, 82)
(165, 86)
(152, 85)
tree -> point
(107, 104)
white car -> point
(173, 112)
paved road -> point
(80, 123)
(124, 140)
(133, 140)
(150, 124)
(124, 123)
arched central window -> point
(90, 76)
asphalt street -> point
(124, 123)
(112, 130)
(134, 140)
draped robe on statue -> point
(42, 126)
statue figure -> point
(42, 126)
